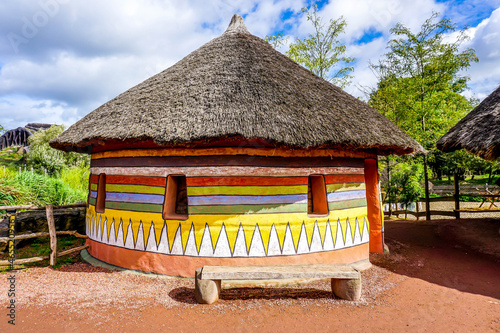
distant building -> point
(478, 132)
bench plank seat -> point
(345, 280)
(321, 271)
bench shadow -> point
(183, 295)
(186, 295)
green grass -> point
(481, 179)
(40, 246)
(10, 158)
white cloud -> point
(485, 39)
(60, 59)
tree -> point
(420, 81)
(42, 156)
(321, 51)
(2, 130)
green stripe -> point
(248, 209)
(344, 187)
(346, 204)
(247, 190)
(138, 207)
(92, 201)
(93, 187)
(123, 188)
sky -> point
(61, 59)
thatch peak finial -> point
(237, 25)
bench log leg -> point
(347, 289)
(206, 291)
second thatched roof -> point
(478, 132)
(238, 86)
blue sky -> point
(61, 59)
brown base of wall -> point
(185, 266)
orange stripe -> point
(136, 180)
(230, 151)
(335, 179)
(94, 179)
(185, 265)
(238, 181)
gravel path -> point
(81, 286)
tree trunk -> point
(427, 202)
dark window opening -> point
(101, 194)
(317, 202)
(175, 206)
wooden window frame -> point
(100, 202)
(317, 196)
(174, 185)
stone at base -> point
(206, 291)
(347, 289)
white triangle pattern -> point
(222, 248)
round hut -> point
(478, 132)
(235, 155)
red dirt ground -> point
(435, 281)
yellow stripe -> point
(345, 187)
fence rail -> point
(52, 234)
(484, 192)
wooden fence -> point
(49, 209)
(490, 196)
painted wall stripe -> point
(93, 194)
(246, 199)
(344, 178)
(345, 187)
(151, 181)
(245, 181)
(247, 209)
(200, 161)
(337, 205)
(137, 207)
(134, 152)
(347, 195)
(135, 189)
(135, 197)
(225, 171)
(246, 190)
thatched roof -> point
(237, 85)
(478, 132)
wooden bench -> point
(346, 281)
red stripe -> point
(136, 180)
(227, 181)
(335, 179)
(94, 179)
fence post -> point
(427, 202)
(53, 237)
(456, 195)
(12, 233)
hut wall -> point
(241, 210)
